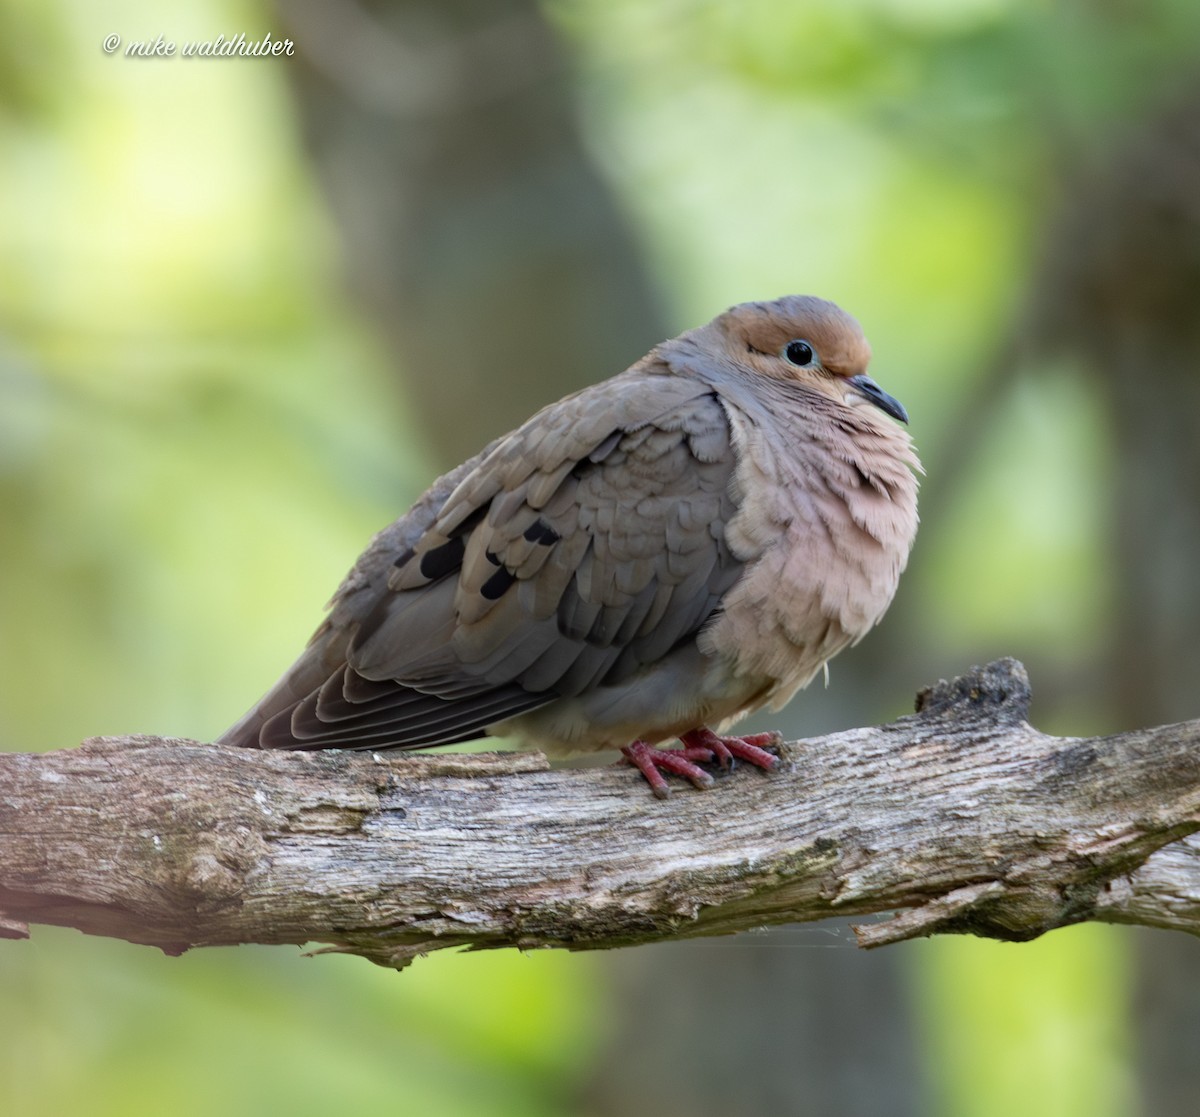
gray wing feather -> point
(570, 554)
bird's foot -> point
(700, 746)
(648, 759)
(751, 748)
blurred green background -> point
(249, 308)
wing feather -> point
(584, 546)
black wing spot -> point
(541, 532)
(437, 562)
(495, 586)
(404, 559)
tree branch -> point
(961, 817)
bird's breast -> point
(826, 518)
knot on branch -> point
(998, 693)
(1008, 911)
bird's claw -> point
(751, 748)
(700, 746)
(648, 759)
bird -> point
(647, 560)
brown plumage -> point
(667, 550)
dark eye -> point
(799, 353)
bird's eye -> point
(799, 353)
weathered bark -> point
(962, 817)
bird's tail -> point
(323, 655)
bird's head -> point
(808, 340)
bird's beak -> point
(872, 391)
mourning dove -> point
(659, 553)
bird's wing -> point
(588, 543)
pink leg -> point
(749, 748)
(648, 760)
